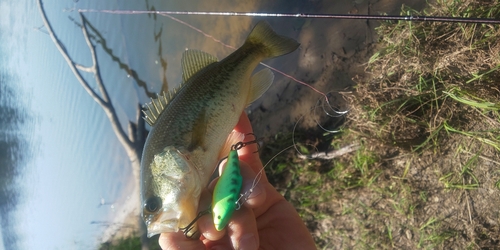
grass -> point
(130, 243)
(427, 117)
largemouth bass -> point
(191, 124)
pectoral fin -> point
(260, 82)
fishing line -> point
(294, 144)
(249, 14)
(169, 14)
(291, 15)
(338, 112)
(234, 48)
(257, 178)
(316, 116)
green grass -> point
(421, 66)
(130, 243)
(428, 121)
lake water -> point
(66, 178)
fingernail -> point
(247, 242)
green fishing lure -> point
(227, 191)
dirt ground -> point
(427, 174)
(331, 55)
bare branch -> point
(130, 147)
(95, 63)
(97, 36)
(83, 68)
(132, 142)
(66, 57)
(331, 154)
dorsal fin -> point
(153, 109)
(193, 61)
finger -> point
(262, 195)
(178, 241)
(205, 223)
(243, 220)
(207, 228)
(252, 187)
(242, 230)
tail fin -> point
(273, 45)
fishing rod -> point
(304, 15)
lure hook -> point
(186, 230)
(240, 145)
(237, 146)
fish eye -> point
(153, 204)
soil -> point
(446, 197)
(331, 55)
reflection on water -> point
(14, 153)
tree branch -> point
(98, 38)
(133, 142)
(328, 155)
(83, 68)
(66, 57)
(131, 146)
(95, 63)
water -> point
(70, 158)
(70, 178)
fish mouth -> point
(163, 222)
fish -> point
(190, 126)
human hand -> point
(265, 221)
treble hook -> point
(240, 145)
(190, 226)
